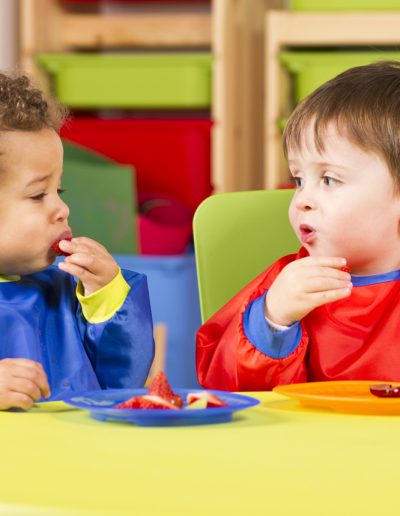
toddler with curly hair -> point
(58, 333)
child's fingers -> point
(85, 261)
(329, 272)
(328, 296)
(93, 264)
(29, 369)
(319, 284)
(89, 268)
(77, 270)
(82, 245)
(27, 387)
(13, 399)
(35, 375)
(26, 362)
(323, 261)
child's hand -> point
(90, 262)
(304, 285)
(22, 382)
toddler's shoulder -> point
(53, 282)
(133, 278)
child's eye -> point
(38, 197)
(298, 181)
(60, 191)
(330, 181)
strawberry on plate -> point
(385, 390)
(159, 396)
(212, 399)
(161, 387)
(146, 401)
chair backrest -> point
(236, 236)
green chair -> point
(237, 236)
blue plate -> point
(101, 403)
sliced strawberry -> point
(56, 248)
(146, 402)
(161, 387)
(212, 400)
(198, 404)
(345, 268)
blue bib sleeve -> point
(274, 344)
(121, 349)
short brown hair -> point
(364, 102)
(24, 107)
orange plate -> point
(352, 397)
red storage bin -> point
(164, 225)
(170, 156)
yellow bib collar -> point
(5, 278)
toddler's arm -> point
(118, 337)
(304, 285)
(22, 382)
(235, 348)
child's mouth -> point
(55, 248)
(307, 233)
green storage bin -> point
(345, 5)
(100, 196)
(310, 69)
(131, 80)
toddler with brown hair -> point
(306, 318)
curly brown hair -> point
(24, 107)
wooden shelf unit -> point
(238, 46)
(285, 29)
(53, 26)
(233, 29)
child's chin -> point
(38, 267)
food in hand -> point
(385, 390)
(161, 396)
(56, 247)
(345, 268)
(211, 399)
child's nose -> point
(62, 211)
(305, 200)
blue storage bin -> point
(174, 301)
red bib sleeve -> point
(227, 360)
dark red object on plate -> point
(159, 396)
(161, 387)
(385, 390)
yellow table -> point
(274, 459)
